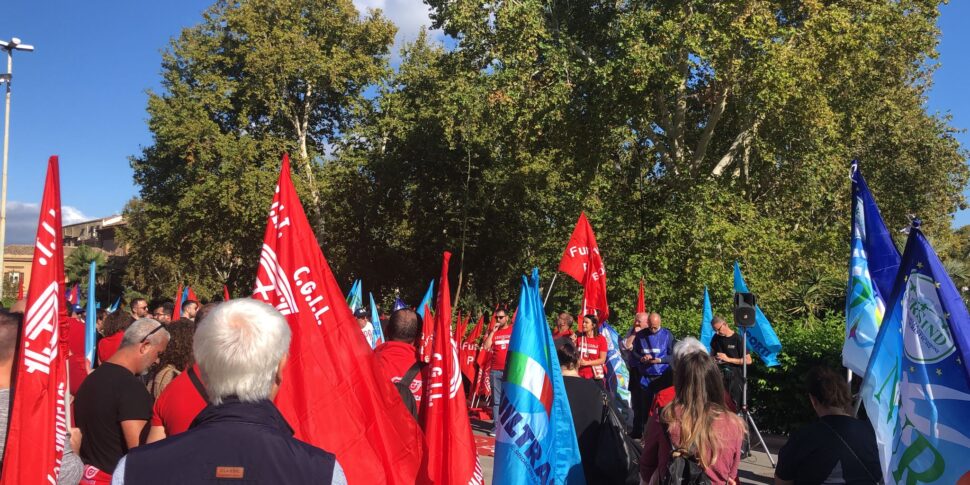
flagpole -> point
(549, 291)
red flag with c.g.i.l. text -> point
(333, 391)
(582, 261)
(452, 456)
(38, 414)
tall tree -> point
(253, 79)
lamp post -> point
(9, 46)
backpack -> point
(617, 455)
(684, 468)
(404, 388)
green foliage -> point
(77, 264)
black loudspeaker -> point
(744, 309)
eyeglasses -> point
(159, 327)
(500, 317)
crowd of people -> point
(186, 389)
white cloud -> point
(22, 220)
(410, 17)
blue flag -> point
(617, 375)
(873, 253)
(355, 297)
(114, 306)
(375, 320)
(91, 320)
(707, 330)
(762, 339)
(426, 301)
(917, 387)
(536, 440)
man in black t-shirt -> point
(112, 406)
(835, 449)
(726, 347)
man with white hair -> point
(241, 350)
(112, 407)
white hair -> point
(238, 347)
(688, 345)
(139, 329)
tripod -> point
(744, 393)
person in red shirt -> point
(592, 350)
(182, 399)
(498, 344)
(397, 355)
(76, 369)
(564, 326)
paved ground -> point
(756, 469)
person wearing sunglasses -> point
(498, 344)
(112, 406)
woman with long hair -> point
(592, 349)
(176, 358)
(697, 421)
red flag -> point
(452, 456)
(192, 296)
(334, 392)
(459, 327)
(75, 296)
(469, 349)
(177, 310)
(225, 293)
(38, 418)
(641, 301)
(20, 291)
(427, 334)
(582, 261)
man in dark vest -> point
(241, 349)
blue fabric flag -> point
(91, 320)
(873, 252)
(426, 301)
(375, 320)
(707, 330)
(399, 305)
(185, 296)
(355, 297)
(917, 387)
(617, 375)
(114, 306)
(762, 339)
(536, 440)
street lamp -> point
(13, 45)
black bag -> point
(617, 456)
(684, 468)
(404, 388)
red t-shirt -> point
(178, 404)
(109, 345)
(591, 348)
(564, 333)
(500, 347)
(395, 358)
(75, 357)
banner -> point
(865, 302)
(334, 392)
(582, 261)
(617, 374)
(917, 387)
(452, 454)
(536, 438)
(762, 339)
(38, 413)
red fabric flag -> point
(177, 310)
(225, 293)
(192, 296)
(75, 296)
(452, 456)
(641, 301)
(334, 392)
(20, 291)
(460, 324)
(582, 261)
(469, 350)
(38, 415)
(427, 335)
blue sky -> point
(81, 94)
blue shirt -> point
(659, 345)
